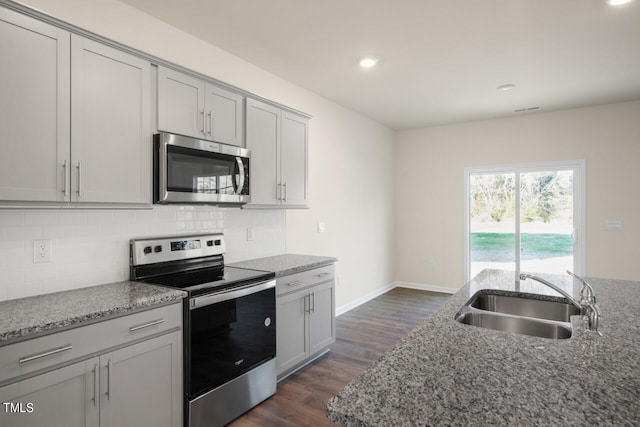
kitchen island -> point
(448, 373)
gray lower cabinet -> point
(305, 317)
(134, 380)
(63, 397)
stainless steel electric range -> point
(229, 324)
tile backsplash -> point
(91, 247)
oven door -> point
(229, 334)
(189, 170)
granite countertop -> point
(29, 317)
(447, 373)
(283, 265)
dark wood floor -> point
(362, 335)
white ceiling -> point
(439, 61)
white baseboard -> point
(361, 300)
(376, 293)
(425, 287)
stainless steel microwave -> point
(192, 171)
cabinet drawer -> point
(293, 282)
(59, 348)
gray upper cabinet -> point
(180, 103)
(34, 110)
(293, 159)
(278, 141)
(110, 125)
(263, 139)
(75, 120)
(192, 107)
(224, 115)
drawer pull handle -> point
(294, 283)
(322, 274)
(45, 354)
(146, 325)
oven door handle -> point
(253, 288)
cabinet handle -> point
(64, 178)
(294, 283)
(96, 390)
(203, 123)
(45, 354)
(78, 190)
(307, 303)
(312, 302)
(146, 325)
(322, 274)
(278, 191)
(109, 368)
(210, 122)
(285, 191)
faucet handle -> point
(586, 293)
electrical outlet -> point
(321, 227)
(250, 236)
(41, 251)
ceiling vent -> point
(521, 110)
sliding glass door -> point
(525, 218)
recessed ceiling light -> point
(368, 62)
(506, 87)
(617, 2)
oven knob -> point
(209, 242)
(217, 242)
(267, 321)
(157, 248)
(147, 250)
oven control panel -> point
(173, 248)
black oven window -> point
(229, 338)
(197, 171)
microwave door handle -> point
(242, 177)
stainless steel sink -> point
(528, 307)
(518, 314)
(517, 325)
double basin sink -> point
(518, 313)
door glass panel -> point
(546, 221)
(492, 222)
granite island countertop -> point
(447, 373)
(34, 316)
(283, 265)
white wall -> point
(430, 185)
(91, 247)
(349, 159)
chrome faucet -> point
(587, 303)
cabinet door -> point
(292, 345)
(34, 109)
(322, 330)
(224, 115)
(293, 159)
(180, 103)
(64, 397)
(142, 384)
(263, 138)
(111, 133)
